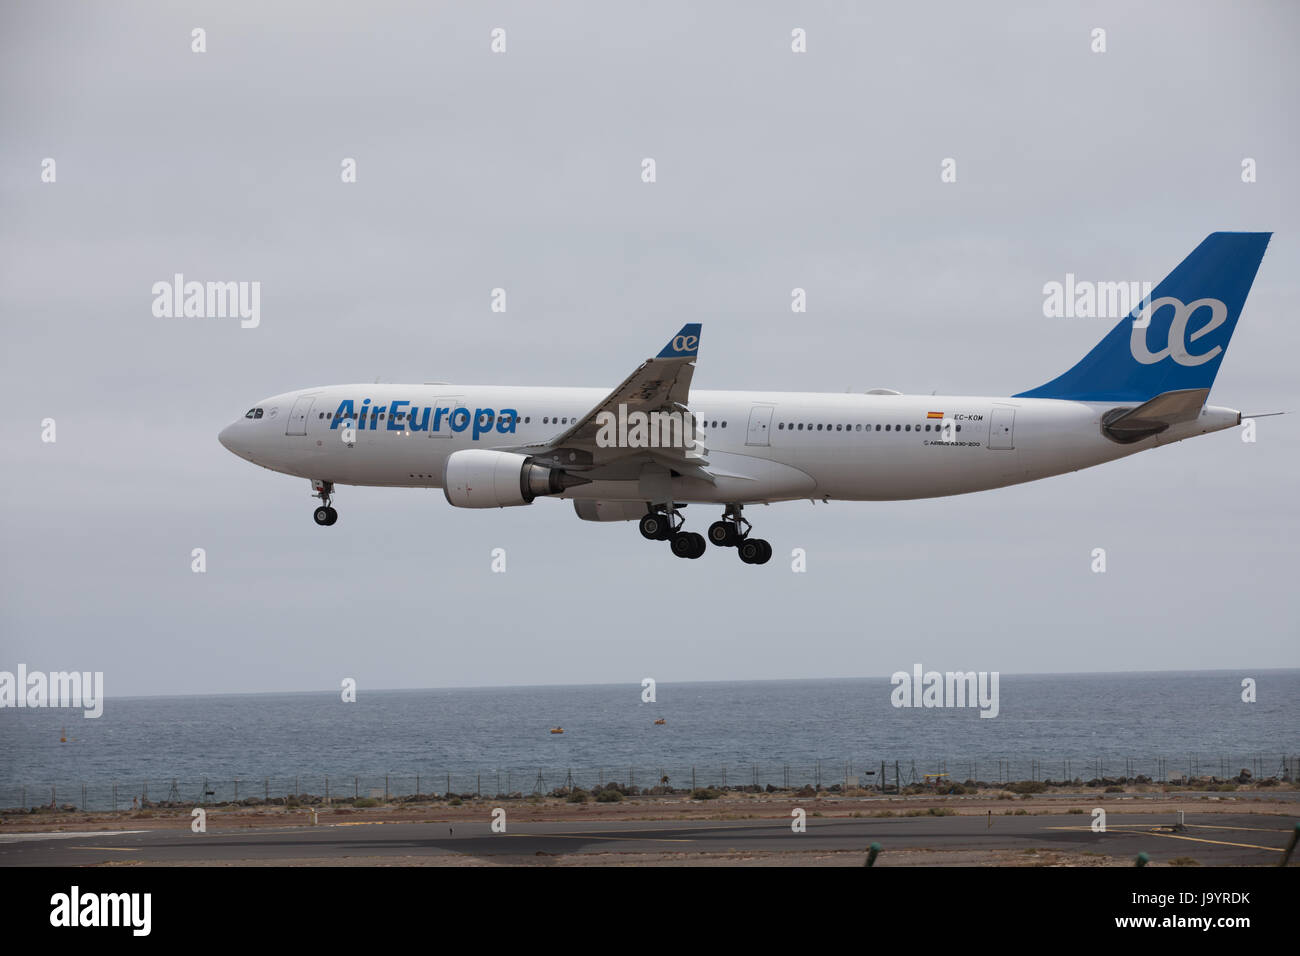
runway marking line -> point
(1175, 836)
(583, 836)
(364, 823)
(1251, 846)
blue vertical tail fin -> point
(1175, 339)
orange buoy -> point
(557, 730)
(661, 721)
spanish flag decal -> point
(934, 414)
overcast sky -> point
(521, 170)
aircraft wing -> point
(661, 384)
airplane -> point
(652, 446)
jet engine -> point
(479, 478)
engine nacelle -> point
(589, 510)
(479, 478)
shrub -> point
(609, 795)
(1027, 786)
(705, 793)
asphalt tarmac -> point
(1210, 839)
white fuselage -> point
(854, 447)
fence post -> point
(385, 788)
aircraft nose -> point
(227, 438)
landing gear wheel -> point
(755, 551)
(688, 544)
(724, 534)
(655, 527)
(324, 490)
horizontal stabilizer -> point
(1127, 425)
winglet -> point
(685, 344)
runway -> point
(1210, 839)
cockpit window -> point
(257, 413)
(249, 413)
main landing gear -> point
(733, 531)
(665, 524)
(324, 490)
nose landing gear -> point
(324, 490)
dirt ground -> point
(667, 808)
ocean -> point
(498, 740)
